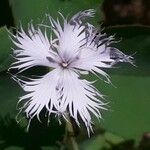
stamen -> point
(64, 64)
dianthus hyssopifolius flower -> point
(74, 47)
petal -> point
(33, 48)
(41, 93)
(101, 43)
(93, 61)
(80, 98)
(70, 41)
(71, 36)
(98, 54)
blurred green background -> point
(126, 126)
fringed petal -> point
(81, 99)
(41, 93)
(32, 49)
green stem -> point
(70, 137)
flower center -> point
(64, 64)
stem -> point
(70, 137)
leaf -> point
(101, 142)
(94, 143)
(5, 49)
(113, 139)
(129, 114)
(50, 148)
(25, 11)
(9, 91)
(14, 148)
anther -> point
(64, 64)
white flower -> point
(73, 48)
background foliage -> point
(125, 127)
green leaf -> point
(129, 114)
(25, 11)
(94, 143)
(113, 139)
(50, 148)
(10, 92)
(5, 49)
(101, 142)
(14, 148)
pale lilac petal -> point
(101, 43)
(98, 53)
(72, 35)
(41, 93)
(32, 49)
(90, 60)
(80, 98)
